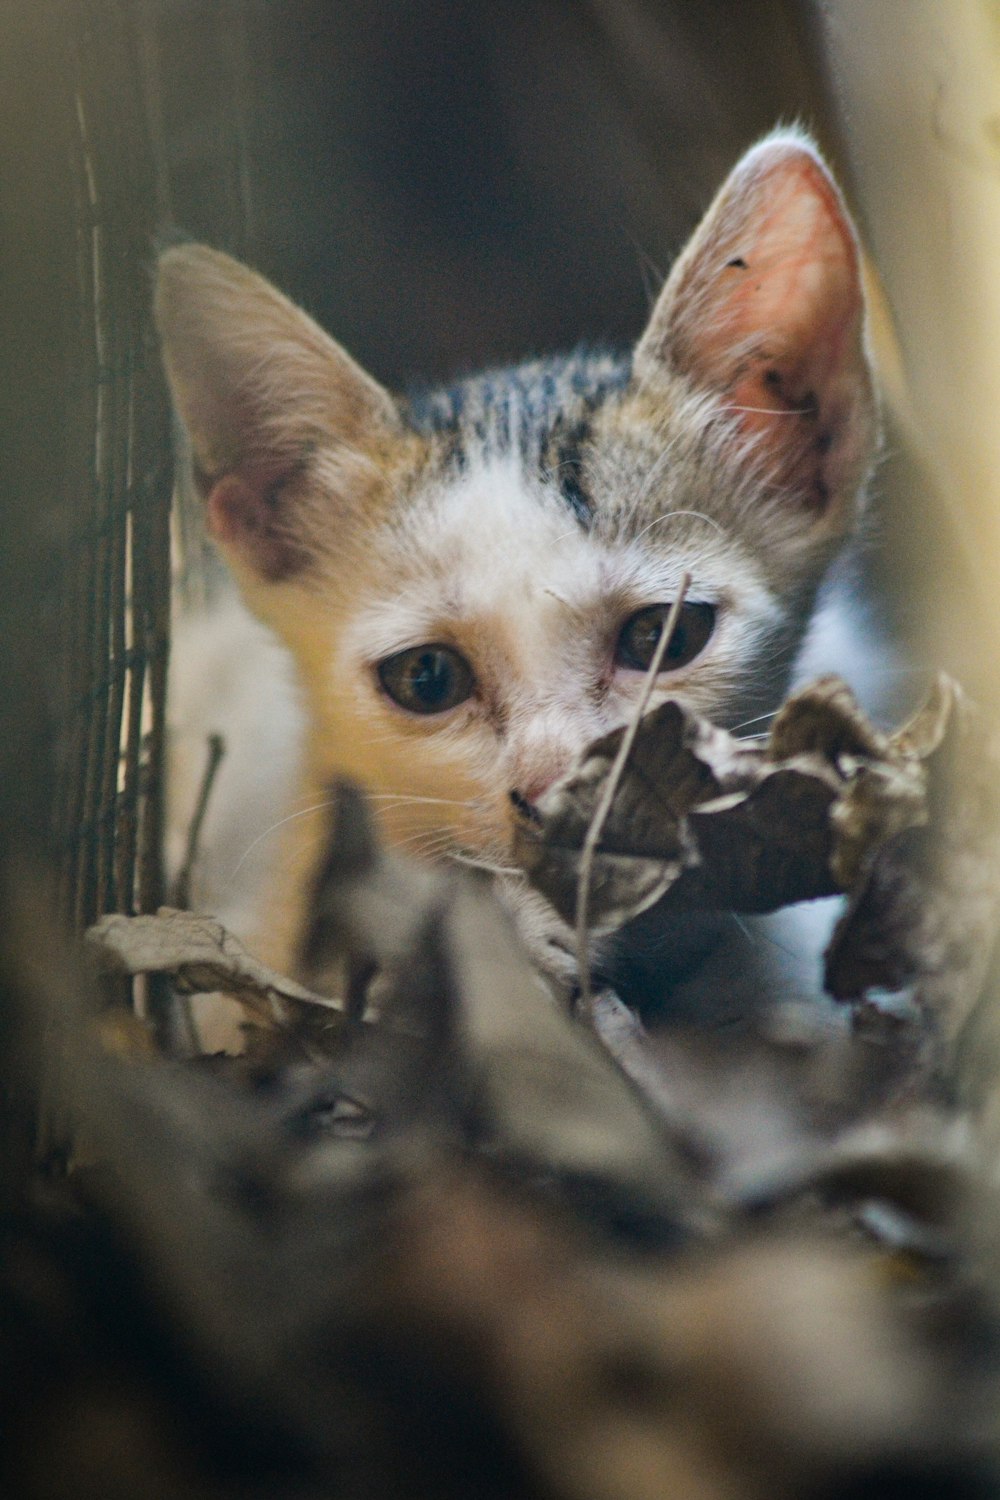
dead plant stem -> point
(597, 822)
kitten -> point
(471, 582)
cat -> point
(469, 582)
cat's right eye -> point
(641, 633)
(427, 679)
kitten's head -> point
(472, 582)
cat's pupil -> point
(427, 679)
(641, 633)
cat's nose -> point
(523, 799)
(525, 810)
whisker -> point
(400, 800)
(768, 411)
(404, 799)
(751, 937)
(669, 516)
(291, 818)
(425, 842)
(487, 865)
(550, 471)
(771, 713)
(896, 673)
(763, 936)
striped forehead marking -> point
(540, 411)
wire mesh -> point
(116, 580)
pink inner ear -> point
(768, 310)
(801, 262)
(245, 516)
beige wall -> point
(918, 85)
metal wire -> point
(115, 584)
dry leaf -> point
(907, 825)
(459, 1288)
(201, 955)
(543, 1098)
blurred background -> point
(443, 183)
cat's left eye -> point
(427, 679)
(641, 633)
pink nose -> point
(526, 795)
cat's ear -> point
(765, 308)
(273, 407)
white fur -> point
(532, 601)
(846, 639)
(229, 676)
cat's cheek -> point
(438, 774)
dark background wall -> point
(443, 182)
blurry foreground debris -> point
(442, 1237)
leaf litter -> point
(780, 1237)
(905, 825)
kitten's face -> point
(496, 630)
(472, 583)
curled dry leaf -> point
(201, 955)
(440, 970)
(907, 825)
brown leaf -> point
(715, 821)
(543, 1097)
(906, 825)
(201, 955)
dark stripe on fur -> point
(540, 410)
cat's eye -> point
(427, 679)
(641, 633)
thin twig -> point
(181, 894)
(597, 822)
